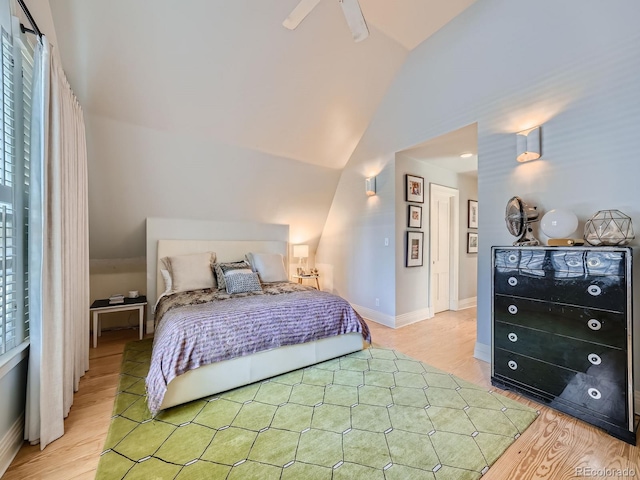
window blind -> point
(15, 139)
(8, 297)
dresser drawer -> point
(590, 358)
(518, 259)
(605, 292)
(592, 325)
(562, 262)
(586, 262)
(595, 394)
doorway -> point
(449, 164)
(444, 243)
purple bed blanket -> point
(205, 326)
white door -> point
(440, 250)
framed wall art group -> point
(414, 192)
(472, 222)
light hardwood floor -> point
(554, 447)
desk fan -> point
(518, 217)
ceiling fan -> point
(350, 8)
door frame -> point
(454, 242)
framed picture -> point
(415, 216)
(415, 241)
(472, 242)
(472, 221)
(415, 189)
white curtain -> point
(58, 251)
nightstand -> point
(103, 306)
(303, 277)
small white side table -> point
(103, 306)
(302, 277)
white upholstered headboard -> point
(230, 240)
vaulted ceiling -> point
(229, 71)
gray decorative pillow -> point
(221, 268)
(242, 281)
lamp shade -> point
(559, 223)
(301, 251)
(370, 186)
(528, 145)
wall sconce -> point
(302, 252)
(528, 145)
(370, 186)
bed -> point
(194, 353)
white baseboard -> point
(467, 303)
(391, 321)
(375, 316)
(10, 444)
(482, 352)
(412, 317)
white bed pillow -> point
(166, 276)
(268, 266)
(192, 272)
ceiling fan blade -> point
(299, 13)
(355, 19)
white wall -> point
(468, 285)
(137, 172)
(353, 247)
(111, 276)
(579, 79)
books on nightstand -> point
(116, 299)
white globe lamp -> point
(559, 223)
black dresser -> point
(562, 331)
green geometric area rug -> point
(374, 414)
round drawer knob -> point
(572, 262)
(513, 309)
(594, 324)
(594, 290)
(513, 258)
(512, 365)
(513, 337)
(595, 393)
(595, 359)
(513, 281)
(593, 262)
